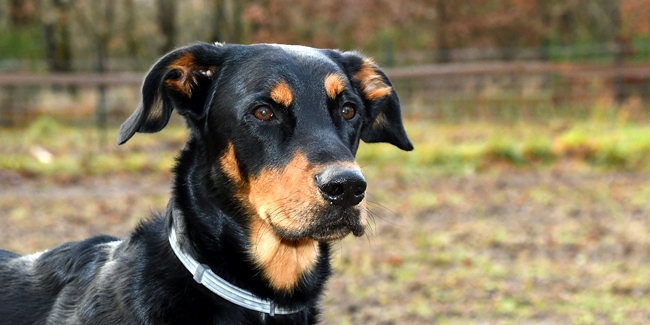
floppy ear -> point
(180, 80)
(383, 120)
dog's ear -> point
(383, 120)
(180, 80)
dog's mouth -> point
(326, 227)
(337, 227)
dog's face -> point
(294, 125)
(282, 124)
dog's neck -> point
(228, 249)
(283, 261)
(220, 287)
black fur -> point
(139, 280)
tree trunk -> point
(103, 40)
(620, 49)
(22, 13)
(132, 45)
(545, 18)
(444, 55)
(167, 23)
(57, 37)
(227, 23)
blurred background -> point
(525, 200)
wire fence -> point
(528, 91)
(465, 91)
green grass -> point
(474, 147)
(439, 148)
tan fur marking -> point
(229, 164)
(282, 94)
(334, 85)
(283, 198)
(371, 82)
(180, 85)
(381, 122)
(186, 60)
(187, 67)
(184, 64)
(274, 191)
(286, 199)
(283, 262)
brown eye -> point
(348, 112)
(263, 113)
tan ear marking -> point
(371, 82)
(183, 65)
(334, 85)
(381, 122)
(186, 67)
(282, 94)
(184, 61)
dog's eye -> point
(263, 113)
(348, 112)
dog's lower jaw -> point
(282, 261)
(331, 237)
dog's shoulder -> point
(7, 255)
(32, 283)
(71, 260)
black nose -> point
(341, 186)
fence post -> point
(101, 115)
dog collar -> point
(204, 275)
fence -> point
(524, 90)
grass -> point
(77, 151)
(440, 148)
(476, 147)
(482, 223)
(507, 248)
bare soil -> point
(499, 247)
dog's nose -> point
(342, 186)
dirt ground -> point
(498, 247)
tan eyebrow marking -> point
(334, 85)
(282, 94)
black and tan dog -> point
(266, 181)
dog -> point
(266, 181)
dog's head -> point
(283, 125)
